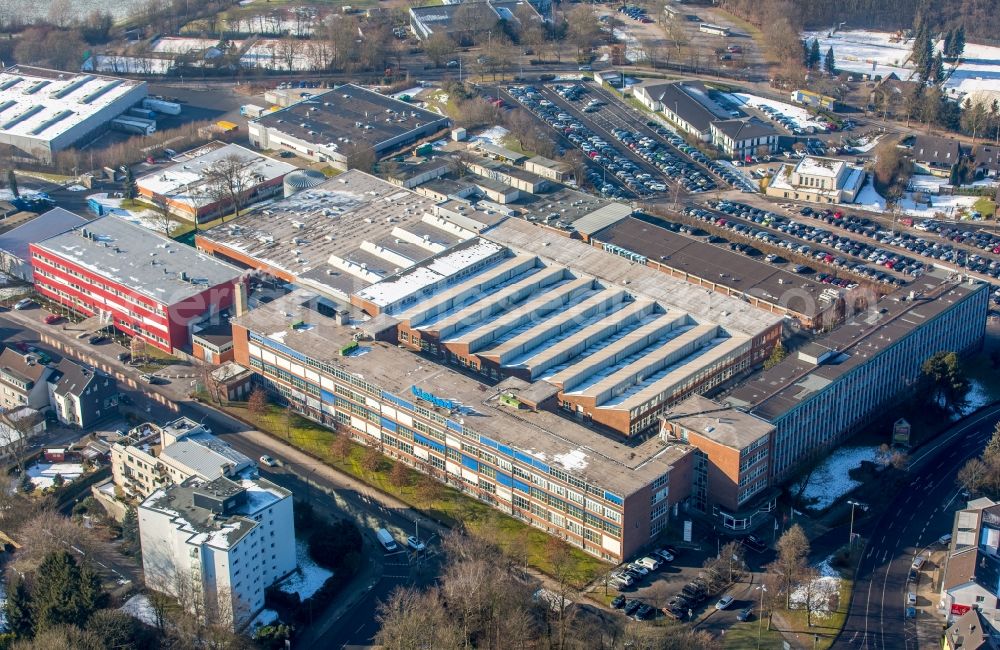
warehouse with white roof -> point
(43, 111)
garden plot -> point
(184, 45)
(43, 474)
(800, 116)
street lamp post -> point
(850, 536)
(760, 614)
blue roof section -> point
(48, 224)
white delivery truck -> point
(386, 540)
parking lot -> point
(682, 589)
(809, 237)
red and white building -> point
(144, 284)
(187, 189)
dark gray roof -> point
(48, 224)
(937, 150)
(745, 129)
(140, 259)
(988, 157)
(690, 101)
(323, 118)
(71, 378)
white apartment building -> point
(217, 545)
(152, 456)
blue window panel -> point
(388, 424)
(402, 403)
(505, 479)
(470, 463)
(522, 486)
(504, 449)
(327, 396)
(613, 498)
(540, 465)
(427, 442)
(486, 441)
(284, 349)
(454, 426)
(523, 457)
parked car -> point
(665, 554)
(267, 460)
(911, 598)
(649, 562)
(23, 304)
(745, 614)
(754, 544)
(618, 602)
(645, 612)
(724, 602)
(51, 319)
(97, 338)
(42, 355)
(918, 562)
(945, 539)
(414, 543)
(631, 606)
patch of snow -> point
(140, 608)
(43, 474)
(869, 199)
(634, 52)
(830, 481)
(76, 188)
(7, 195)
(800, 116)
(977, 397)
(866, 144)
(411, 92)
(573, 460)
(494, 135)
(820, 592)
(308, 577)
(266, 617)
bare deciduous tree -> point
(228, 181)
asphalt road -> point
(919, 514)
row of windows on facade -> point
(866, 386)
(85, 307)
(98, 299)
(351, 406)
(153, 307)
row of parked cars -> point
(635, 13)
(632, 572)
(947, 251)
(842, 246)
(660, 156)
(591, 144)
(733, 177)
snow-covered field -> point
(933, 204)
(308, 578)
(830, 481)
(43, 474)
(978, 74)
(274, 54)
(28, 10)
(881, 53)
(126, 64)
(819, 592)
(856, 50)
(798, 114)
(183, 45)
(977, 397)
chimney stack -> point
(241, 298)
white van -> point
(649, 563)
(386, 540)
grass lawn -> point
(744, 635)
(985, 206)
(434, 499)
(796, 621)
